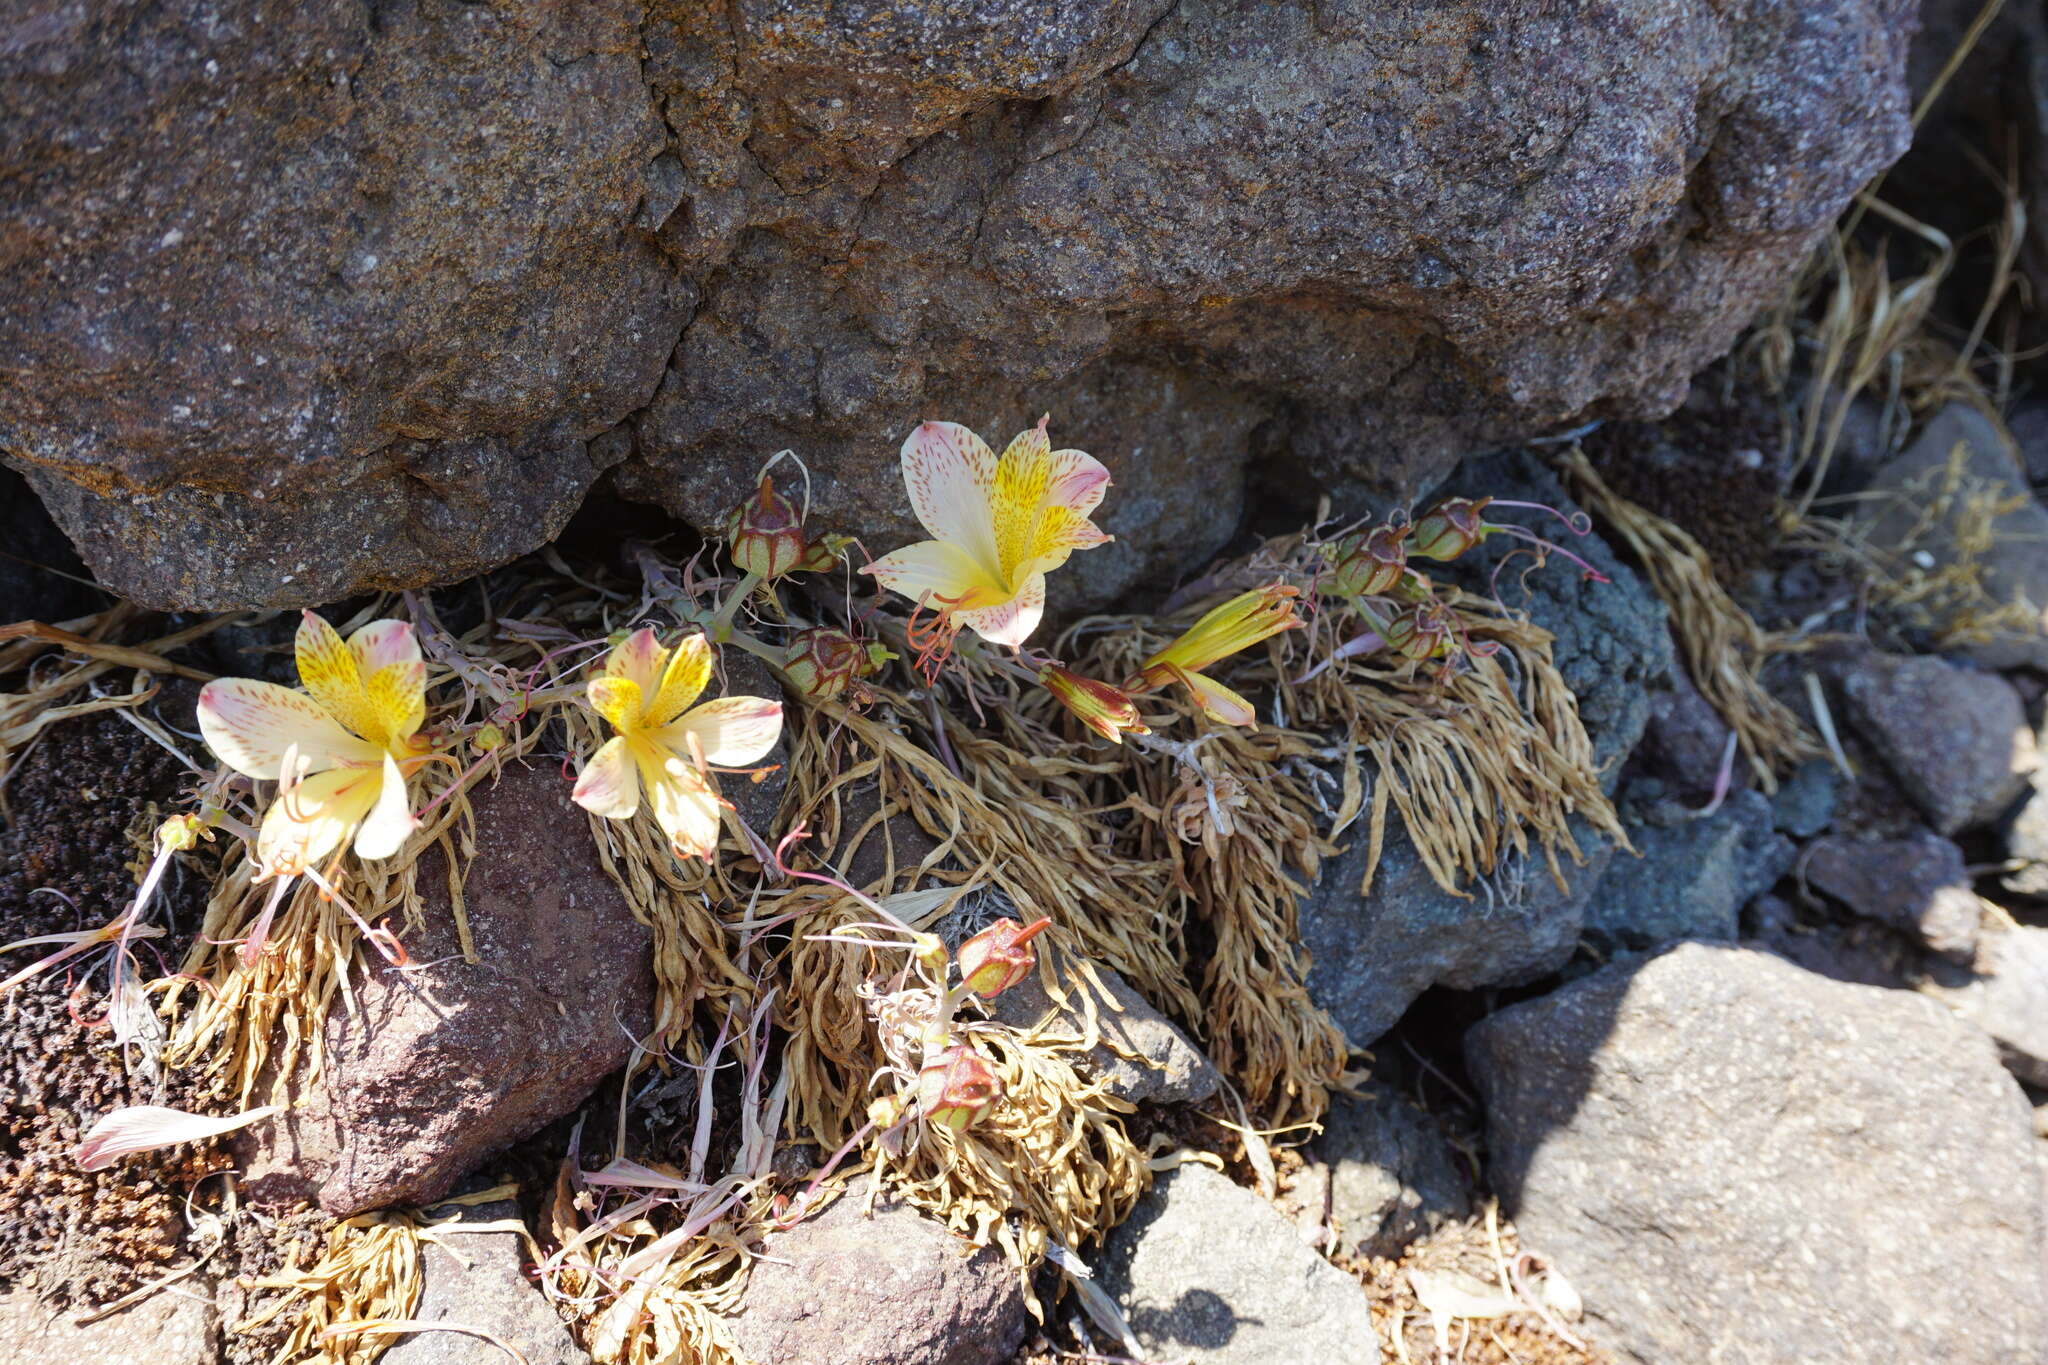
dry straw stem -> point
(368, 1272)
(1723, 645)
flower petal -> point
(1078, 481)
(936, 569)
(330, 673)
(1010, 622)
(390, 821)
(147, 1127)
(381, 644)
(609, 784)
(250, 724)
(1042, 501)
(618, 699)
(687, 810)
(682, 682)
(950, 474)
(397, 693)
(1218, 702)
(639, 658)
(310, 821)
(731, 732)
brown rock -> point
(307, 303)
(1918, 885)
(1957, 742)
(445, 1064)
(894, 1289)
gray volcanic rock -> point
(1739, 1160)
(1692, 879)
(477, 1278)
(310, 299)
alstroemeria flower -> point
(1237, 625)
(664, 746)
(341, 750)
(998, 526)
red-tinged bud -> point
(824, 554)
(1452, 527)
(1427, 632)
(1367, 564)
(999, 956)
(1108, 711)
(958, 1089)
(822, 663)
(767, 533)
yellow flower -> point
(340, 750)
(1237, 625)
(998, 526)
(665, 745)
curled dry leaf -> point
(148, 1127)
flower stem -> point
(721, 624)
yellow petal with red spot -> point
(381, 644)
(938, 572)
(730, 732)
(687, 810)
(331, 675)
(618, 700)
(397, 693)
(638, 658)
(682, 682)
(609, 784)
(1010, 621)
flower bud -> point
(1427, 632)
(181, 832)
(957, 1088)
(488, 736)
(824, 554)
(822, 662)
(999, 956)
(1452, 527)
(930, 950)
(1107, 710)
(1367, 564)
(767, 533)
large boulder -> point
(302, 299)
(1739, 1160)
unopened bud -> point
(958, 1089)
(823, 662)
(1427, 632)
(181, 832)
(487, 737)
(999, 956)
(1452, 527)
(824, 553)
(930, 950)
(1368, 564)
(885, 1110)
(1108, 711)
(767, 533)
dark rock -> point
(1736, 1159)
(1372, 956)
(1908, 488)
(1613, 648)
(422, 274)
(2006, 994)
(1685, 739)
(1804, 804)
(176, 1327)
(320, 270)
(1860, 952)
(41, 575)
(1389, 1173)
(445, 1064)
(1692, 879)
(758, 803)
(894, 1289)
(2028, 425)
(1956, 742)
(1210, 1273)
(478, 1279)
(1918, 885)
(1142, 1055)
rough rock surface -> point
(1738, 1160)
(1693, 878)
(2013, 566)
(1918, 885)
(1386, 1172)
(1956, 742)
(177, 1327)
(2026, 839)
(421, 272)
(1142, 1054)
(2006, 994)
(453, 1061)
(895, 1289)
(1208, 1272)
(487, 1288)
